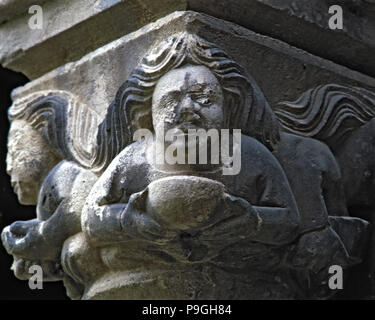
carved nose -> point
(187, 105)
(9, 168)
(187, 110)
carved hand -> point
(317, 250)
(51, 270)
(312, 257)
(136, 222)
(233, 220)
(24, 239)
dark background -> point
(11, 210)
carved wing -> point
(68, 125)
(327, 113)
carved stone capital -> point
(114, 223)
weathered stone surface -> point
(9, 9)
(74, 28)
(114, 222)
(71, 29)
(283, 72)
(304, 24)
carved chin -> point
(26, 198)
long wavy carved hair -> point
(327, 113)
(68, 126)
(245, 105)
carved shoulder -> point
(125, 172)
(257, 159)
(307, 153)
(67, 180)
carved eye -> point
(203, 100)
(170, 103)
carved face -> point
(29, 160)
(187, 98)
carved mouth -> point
(15, 188)
(188, 125)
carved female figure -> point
(150, 221)
(161, 230)
(344, 118)
(188, 83)
(39, 161)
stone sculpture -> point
(343, 118)
(133, 228)
(45, 151)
